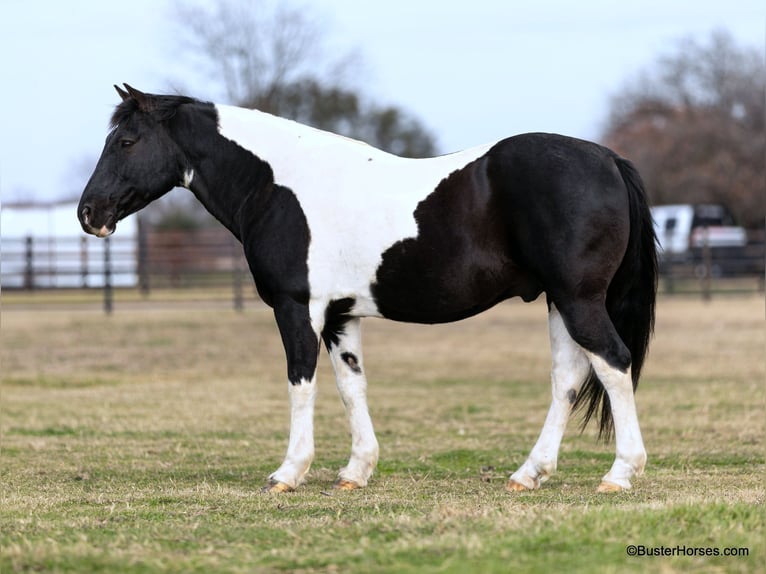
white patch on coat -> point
(358, 200)
(188, 177)
(629, 445)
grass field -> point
(139, 442)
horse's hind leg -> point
(345, 351)
(590, 326)
(569, 370)
(630, 453)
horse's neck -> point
(251, 150)
(221, 174)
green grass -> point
(139, 442)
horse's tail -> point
(630, 298)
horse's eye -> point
(126, 142)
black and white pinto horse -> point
(335, 230)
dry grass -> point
(138, 442)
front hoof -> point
(276, 487)
(513, 486)
(606, 486)
(345, 484)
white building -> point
(45, 245)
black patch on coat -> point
(276, 238)
(352, 362)
(335, 318)
(572, 396)
(238, 188)
(298, 338)
(461, 261)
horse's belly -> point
(447, 289)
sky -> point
(472, 72)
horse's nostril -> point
(85, 214)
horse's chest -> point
(348, 239)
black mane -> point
(162, 108)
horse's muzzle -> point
(87, 220)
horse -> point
(335, 230)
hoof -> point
(513, 486)
(344, 484)
(276, 487)
(609, 487)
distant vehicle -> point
(681, 227)
(686, 230)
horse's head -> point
(140, 162)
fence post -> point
(84, 261)
(707, 262)
(668, 262)
(29, 266)
(108, 305)
(237, 275)
(143, 258)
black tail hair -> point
(630, 299)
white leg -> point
(630, 453)
(569, 370)
(346, 357)
(300, 449)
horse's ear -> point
(123, 94)
(143, 100)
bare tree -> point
(694, 125)
(345, 111)
(254, 48)
(272, 58)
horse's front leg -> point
(301, 344)
(345, 349)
